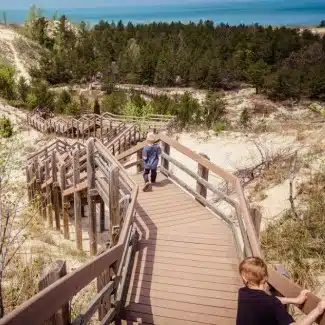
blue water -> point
(274, 12)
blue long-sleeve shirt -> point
(150, 155)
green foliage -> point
(322, 24)
(199, 55)
(96, 107)
(83, 102)
(73, 109)
(220, 126)
(244, 117)
(40, 96)
(114, 103)
(63, 100)
(22, 89)
(187, 110)
(32, 101)
(214, 108)
(7, 81)
(6, 128)
(256, 74)
(163, 105)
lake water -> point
(275, 12)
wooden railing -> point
(239, 217)
(87, 125)
(95, 172)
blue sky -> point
(24, 4)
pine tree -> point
(244, 117)
(96, 107)
(22, 89)
(256, 74)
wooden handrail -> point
(41, 307)
(199, 159)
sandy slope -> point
(8, 36)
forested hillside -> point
(282, 62)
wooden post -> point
(102, 215)
(77, 200)
(101, 128)
(88, 128)
(83, 132)
(114, 204)
(53, 273)
(256, 216)
(102, 281)
(139, 157)
(78, 132)
(55, 192)
(204, 173)
(39, 188)
(90, 197)
(28, 180)
(166, 150)
(48, 195)
(95, 129)
(65, 204)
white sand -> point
(232, 151)
(8, 36)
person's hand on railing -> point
(302, 297)
(299, 300)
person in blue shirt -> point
(150, 155)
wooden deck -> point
(185, 267)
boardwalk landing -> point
(185, 268)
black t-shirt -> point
(256, 307)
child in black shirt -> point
(256, 307)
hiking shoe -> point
(146, 187)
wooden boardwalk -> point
(185, 266)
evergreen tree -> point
(244, 117)
(96, 107)
(22, 89)
(256, 74)
(214, 108)
(63, 100)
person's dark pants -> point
(153, 175)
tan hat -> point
(151, 137)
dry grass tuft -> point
(299, 244)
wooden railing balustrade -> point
(104, 181)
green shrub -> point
(31, 101)
(7, 81)
(244, 117)
(6, 128)
(114, 103)
(220, 126)
(63, 100)
(73, 109)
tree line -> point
(281, 62)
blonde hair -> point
(151, 137)
(253, 270)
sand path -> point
(8, 36)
